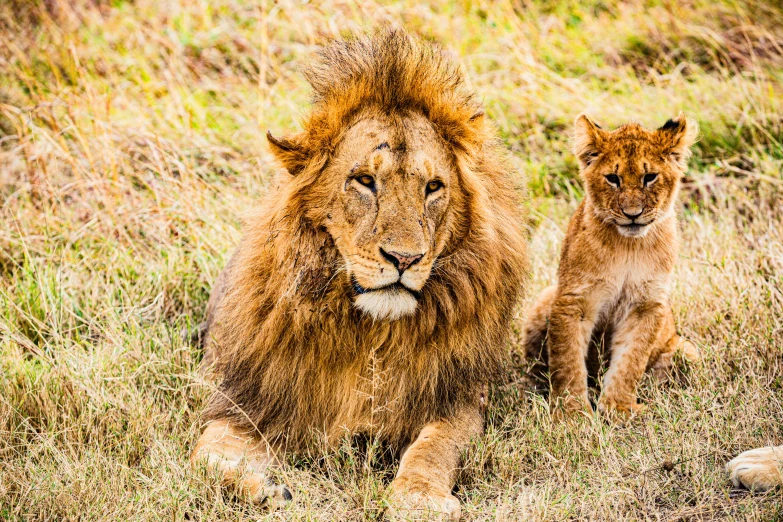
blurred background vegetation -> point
(211, 77)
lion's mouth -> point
(634, 226)
(398, 286)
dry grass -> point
(131, 143)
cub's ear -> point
(290, 152)
(676, 137)
(588, 140)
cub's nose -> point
(633, 213)
(401, 261)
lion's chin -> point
(388, 304)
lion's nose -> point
(633, 213)
(401, 261)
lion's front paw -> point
(758, 470)
(264, 492)
(416, 500)
(617, 410)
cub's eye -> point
(367, 181)
(434, 186)
(613, 180)
(649, 178)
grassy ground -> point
(131, 143)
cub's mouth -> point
(633, 229)
(388, 302)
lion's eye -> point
(613, 180)
(367, 181)
(649, 178)
(434, 186)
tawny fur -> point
(301, 350)
(759, 469)
(614, 280)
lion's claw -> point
(272, 496)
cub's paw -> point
(570, 408)
(685, 353)
(616, 410)
(414, 500)
(757, 470)
(689, 351)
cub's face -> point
(632, 175)
(392, 190)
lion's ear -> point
(290, 152)
(677, 136)
(588, 140)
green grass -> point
(132, 143)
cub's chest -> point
(635, 279)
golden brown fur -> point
(758, 469)
(373, 290)
(616, 265)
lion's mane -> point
(294, 355)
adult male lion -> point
(373, 290)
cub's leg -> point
(571, 326)
(428, 468)
(633, 342)
(759, 469)
(668, 345)
(242, 459)
(536, 330)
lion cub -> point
(616, 266)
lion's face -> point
(632, 185)
(631, 174)
(393, 188)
